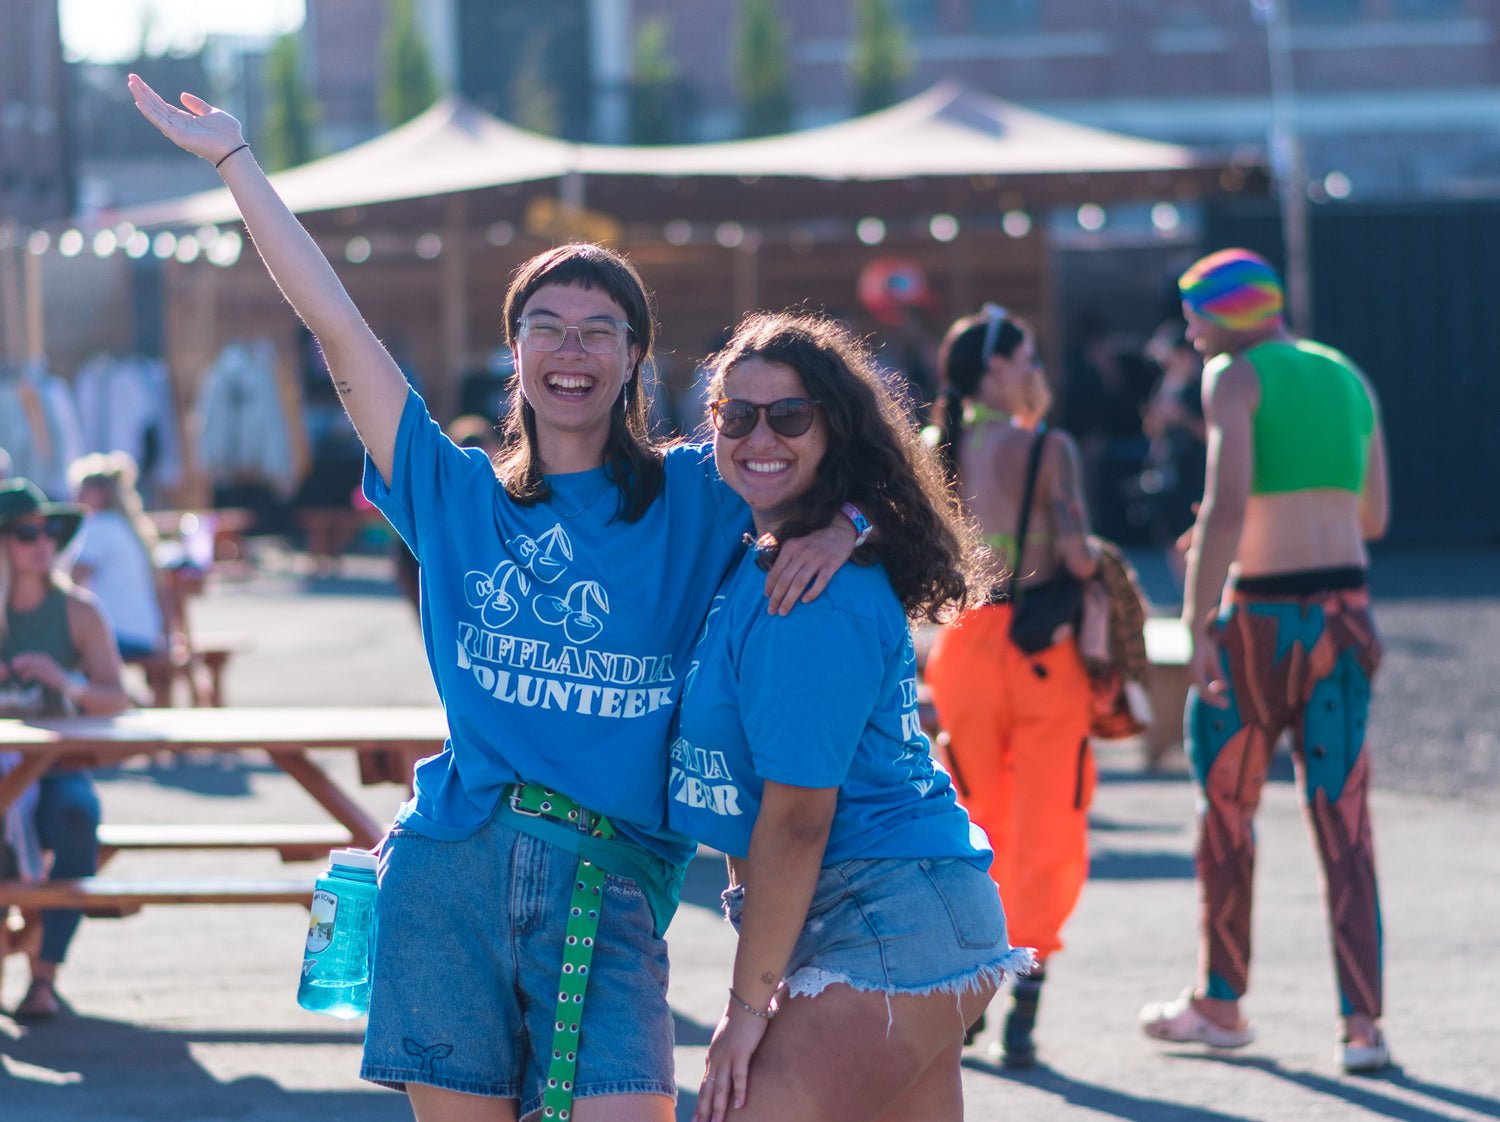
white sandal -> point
(1179, 1021)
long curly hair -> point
(634, 460)
(875, 459)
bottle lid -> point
(354, 859)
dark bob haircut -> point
(633, 460)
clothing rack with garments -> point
(39, 425)
(242, 428)
(125, 403)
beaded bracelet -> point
(764, 1014)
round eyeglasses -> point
(599, 335)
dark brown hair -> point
(633, 460)
(874, 459)
(963, 362)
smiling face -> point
(573, 390)
(769, 471)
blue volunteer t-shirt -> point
(823, 697)
(557, 634)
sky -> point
(111, 30)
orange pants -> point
(1018, 751)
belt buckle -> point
(515, 802)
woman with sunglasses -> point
(1017, 723)
(870, 933)
(57, 657)
(558, 605)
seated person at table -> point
(857, 881)
(115, 552)
(57, 657)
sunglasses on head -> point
(791, 416)
(28, 532)
(995, 315)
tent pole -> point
(746, 284)
(36, 322)
(11, 346)
(454, 287)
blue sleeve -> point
(693, 464)
(808, 684)
(427, 471)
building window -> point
(919, 16)
(1326, 11)
(1004, 15)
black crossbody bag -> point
(1041, 610)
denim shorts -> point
(469, 940)
(899, 926)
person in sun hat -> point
(57, 657)
(1277, 606)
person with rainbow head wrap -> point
(1277, 606)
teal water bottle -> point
(336, 965)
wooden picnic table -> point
(389, 742)
(287, 735)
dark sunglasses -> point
(28, 532)
(791, 416)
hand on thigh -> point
(847, 1055)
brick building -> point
(36, 180)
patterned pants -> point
(1304, 664)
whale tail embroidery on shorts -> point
(429, 1054)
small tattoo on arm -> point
(343, 388)
(768, 977)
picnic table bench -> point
(393, 738)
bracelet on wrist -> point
(764, 1014)
(862, 527)
(231, 152)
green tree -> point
(880, 58)
(291, 109)
(653, 86)
(408, 84)
(760, 69)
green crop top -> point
(1312, 427)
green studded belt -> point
(532, 800)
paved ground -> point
(187, 1014)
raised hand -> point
(201, 129)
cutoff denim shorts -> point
(469, 939)
(899, 926)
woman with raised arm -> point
(559, 603)
(870, 935)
